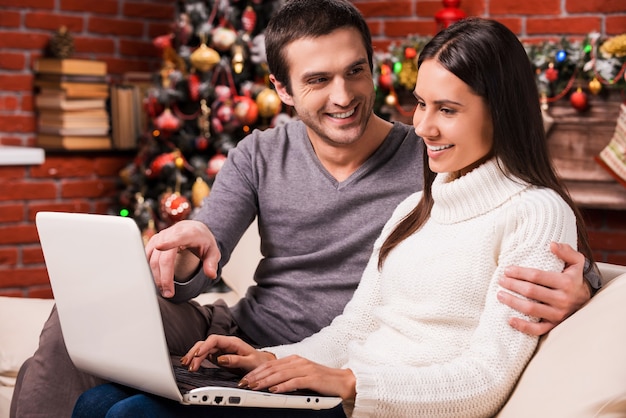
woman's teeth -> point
(439, 148)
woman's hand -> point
(228, 352)
(294, 372)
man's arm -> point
(550, 296)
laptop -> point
(111, 322)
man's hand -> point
(177, 250)
(552, 297)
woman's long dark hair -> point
(490, 59)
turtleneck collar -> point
(474, 194)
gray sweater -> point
(316, 233)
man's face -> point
(332, 89)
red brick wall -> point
(121, 32)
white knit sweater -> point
(426, 336)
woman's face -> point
(454, 122)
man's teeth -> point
(342, 115)
(439, 148)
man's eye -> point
(357, 70)
(318, 80)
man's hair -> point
(298, 19)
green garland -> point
(594, 64)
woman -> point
(424, 334)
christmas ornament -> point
(167, 122)
(248, 19)
(268, 102)
(246, 110)
(199, 191)
(193, 81)
(579, 101)
(223, 38)
(163, 42)
(174, 207)
(160, 163)
(552, 74)
(449, 14)
(215, 164)
(238, 58)
(61, 44)
(410, 53)
(386, 79)
(595, 86)
(204, 58)
(391, 100)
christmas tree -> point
(211, 91)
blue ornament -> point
(560, 56)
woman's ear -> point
(281, 90)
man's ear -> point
(281, 90)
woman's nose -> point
(424, 125)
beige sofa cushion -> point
(579, 369)
(22, 319)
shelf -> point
(12, 155)
(597, 195)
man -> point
(321, 188)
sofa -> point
(579, 369)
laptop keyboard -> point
(213, 376)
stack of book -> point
(128, 116)
(71, 104)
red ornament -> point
(449, 14)
(215, 164)
(552, 74)
(248, 19)
(385, 80)
(167, 122)
(579, 100)
(160, 162)
(246, 110)
(163, 41)
(174, 207)
(194, 87)
(202, 143)
(410, 53)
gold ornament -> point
(238, 58)
(204, 58)
(268, 102)
(199, 191)
(595, 86)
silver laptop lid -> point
(105, 296)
